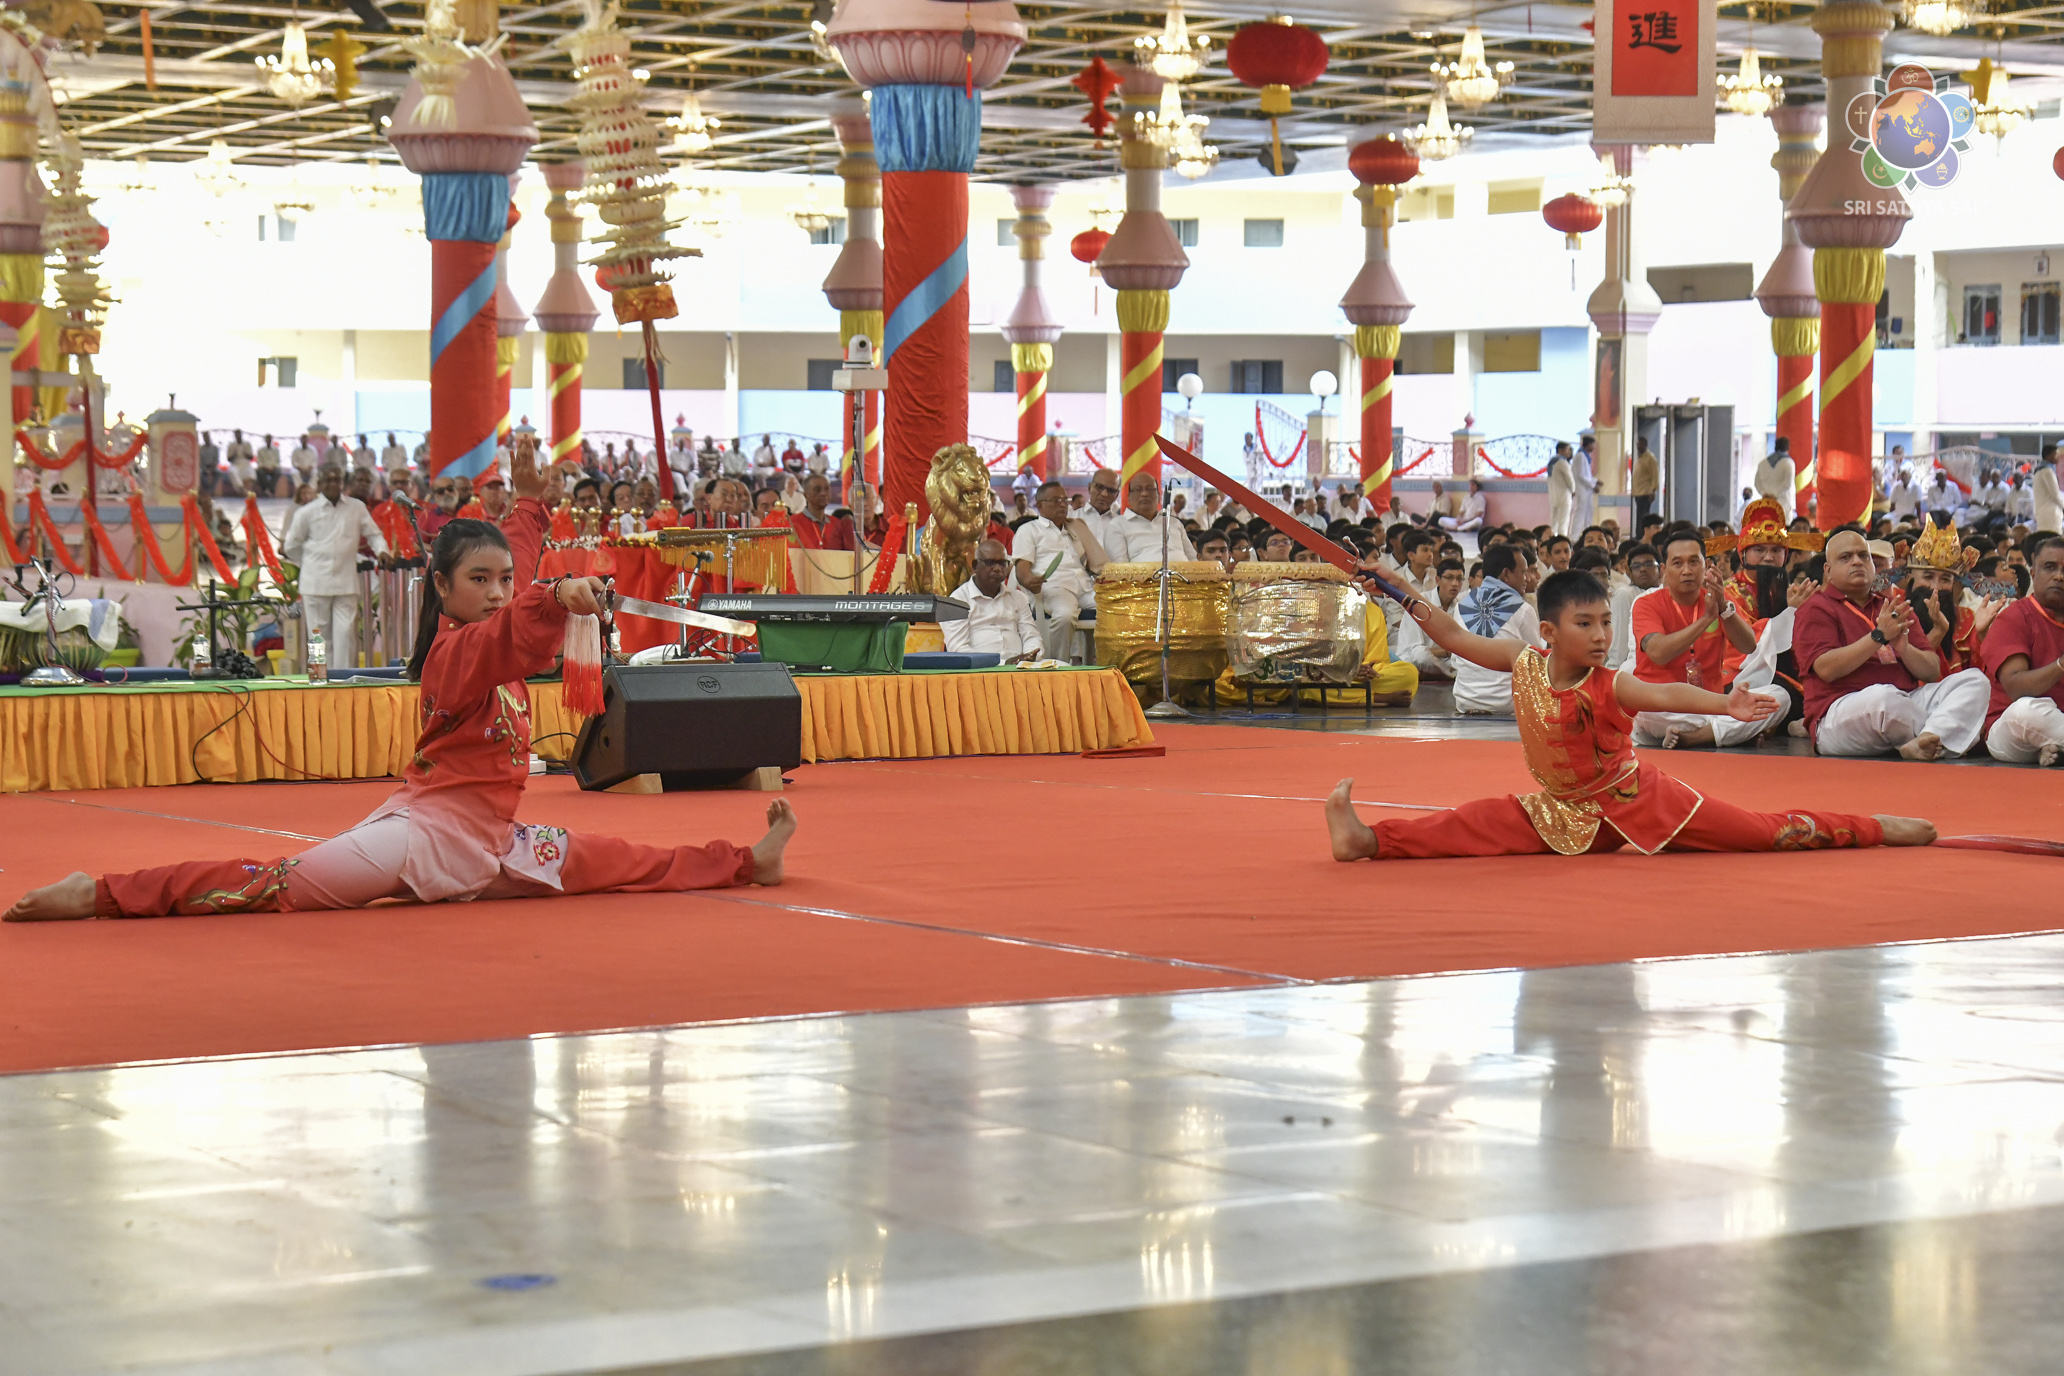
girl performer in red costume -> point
(450, 831)
(1576, 718)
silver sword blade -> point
(681, 616)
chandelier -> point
(1172, 53)
(1938, 17)
(1748, 91)
(1437, 139)
(1611, 190)
(694, 132)
(291, 76)
(1470, 79)
(820, 33)
(809, 217)
(1994, 111)
(217, 171)
(707, 210)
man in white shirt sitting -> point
(1903, 497)
(1413, 645)
(1496, 608)
(1989, 503)
(322, 538)
(1469, 510)
(1133, 536)
(1944, 495)
(1103, 505)
(999, 620)
(1644, 571)
(395, 460)
(1056, 559)
(303, 459)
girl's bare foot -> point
(1353, 839)
(781, 825)
(1907, 831)
(1926, 746)
(68, 900)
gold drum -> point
(1294, 623)
(1127, 631)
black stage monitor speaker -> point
(694, 725)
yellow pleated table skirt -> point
(89, 738)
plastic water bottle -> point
(318, 657)
(203, 654)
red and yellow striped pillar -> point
(1031, 363)
(565, 312)
(1787, 296)
(853, 287)
(509, 323)
(1141, 262)
(1376, 305)
(1849, 282)
(1142, 320)
(1796, 340)
(22, 213)
(566, 356)
(1377, 348)
(1032, 328)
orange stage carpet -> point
(929, 883)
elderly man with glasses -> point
(999, 619)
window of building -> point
(634, 374)
(1981, 319)
(1428, 353)
(1703, 282)
(833, 233)
(1172, 370)
(1185, 232)
(821, 370)
(276, 228)
(1514, 198)
(1258, 376)
(1005, 378)
(1263, 234)
(2039, 312)
(1006, 236)
(284, 370)
(1511, 351)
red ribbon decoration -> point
(1481, 453)
(1262, 435)
(98, 534)
(52, 463)
(1356, 455)
(891, 550)
(259, 539)
(39, 516)
(15, 553)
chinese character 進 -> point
(1654, 30)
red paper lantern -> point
(1574, 215)
(1383, 162)
(1088, 246)
(2057, 163)
(1097, 81)
(1279, 57)
(605, 278)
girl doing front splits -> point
(450, 830)
(1576, 720)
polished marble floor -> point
(1845, 1161)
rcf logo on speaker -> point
(708, 684)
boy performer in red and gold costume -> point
(1576, 721)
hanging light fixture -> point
(694, 132)
(1748, 91)
(1993, 110)
(810, 217)
(1611, 190)
(1938, 17)
(1437, 139)
(291, 76)
(1172, 53)
(217, 171)
(1470, 79)
(820, 33)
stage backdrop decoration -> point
(1031, 328)
(509, 323)
(1376, 304)
(924, 73)
(1142, 261)
(462, 128)
(854, 285)
(565, 312)
(1279, 57)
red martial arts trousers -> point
(364, 864)
(1500, 826)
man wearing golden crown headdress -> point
(2024, 655)
(1764, 543)
(1934, 587)
(1874, 683)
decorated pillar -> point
(854, 286)
(509, 323)
(1786, 295)
(1143, 261)
(1376, 304)
(565, 312)
(463, 129)
(923, 71)
(1623, 308)
(1031, 327)
(1848, 223)
(21, 231)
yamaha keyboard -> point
(881, 607)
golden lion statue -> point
(958, 491)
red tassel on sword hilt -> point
(581, 666)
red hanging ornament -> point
(1574, 215)
(1278, 57)
(1097, 81)
(2057, 163)
(1088, 246)
(1383, 162)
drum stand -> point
(1168, 709)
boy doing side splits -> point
(1576, 721)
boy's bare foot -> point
(68, 900)
(781, 825)
(1353, 839)
(1907, 831)
(1926, 746)
(2049, 755)
(1688, 735)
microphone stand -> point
(1168, 708)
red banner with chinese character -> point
(1653, 72)
(1655, 48)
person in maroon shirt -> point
(450, 830)
(814, 526)
(1872, 685)
(2024, 657)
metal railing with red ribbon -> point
(1262, 413)
(1355, 452)
(993, 452)
(1519, 451)
(51, 463)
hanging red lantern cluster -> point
(1097, 81)
(1575, 216)
(1278, 57)
(1383, 162)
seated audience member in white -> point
(1420, 650)
(1644, 571)
(1495, 608)
(999, 620)
(1056, 558)
(2024, 657)
(1133, 536)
